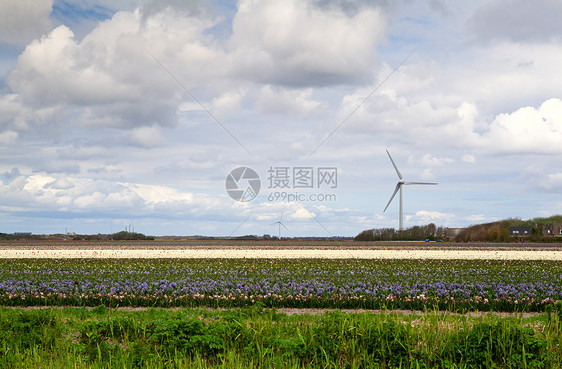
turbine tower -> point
(398, 187)
(280, 223)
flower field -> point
(256, 333)
(455, 285)
(261, 253)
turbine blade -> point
(284, 226)
(394, 164)
(392, 197)
(422, 183)
(281, 217)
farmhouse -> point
(557, 228)
(552, 230)
(547, 230)
(520, 231)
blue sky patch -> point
(68, 12)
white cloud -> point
(475, 218)
(13, 113)
(433, 161)
(451, 103)
(528, 129)
(291, 211)
(8, 136)
(147, 137)
(427, 175)
(154, 194)
(109, 78)
(553, 182)
(287, 101)
(229, 101)
(83, 152)
(433, 216)
(550, 183)
(56, 69)
(22, 21)
(60, 184)
(296, 43)
(467, 112)
(80, 195)
(524, 22)
(468, 158)
(302, 213)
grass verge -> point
(255, 337)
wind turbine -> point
(398, 187)
(280, 223)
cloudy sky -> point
(132, 113)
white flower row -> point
(284, 254)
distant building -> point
(552, 230)
(547, 231)
(520, 231)
(557, 228)
(451, 233)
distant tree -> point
(124, 235)
(366, 235)
(247, 237)
(494, 233)
(490, 232)
(415, 233)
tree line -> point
(416, 233)
(499, 231)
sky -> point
(136, 115)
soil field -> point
(273, 245)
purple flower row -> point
(403, 281)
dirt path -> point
(270, 245)
(309, 311)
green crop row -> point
(264, 338)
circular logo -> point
(243, 184)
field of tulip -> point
(58, 312)
(454, 285)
